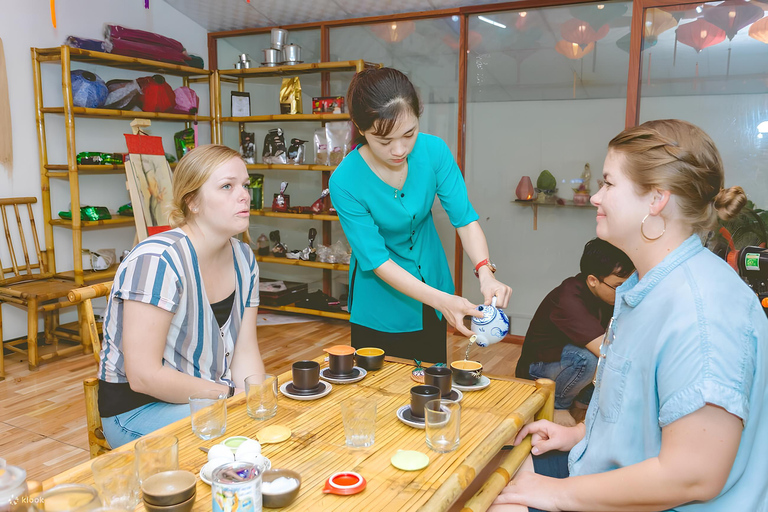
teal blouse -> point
(383, 223)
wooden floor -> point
(42, 424)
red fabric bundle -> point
(145, 45)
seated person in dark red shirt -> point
(563, 339)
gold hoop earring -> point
(642, 224)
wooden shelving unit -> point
(239, 76)
(71, 171)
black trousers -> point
(427, 345)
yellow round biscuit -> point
(409, 460)
(273, 434)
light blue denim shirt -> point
(687, 334)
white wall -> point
(28, 24)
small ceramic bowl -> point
(283, 499)
(169, 488)
(466, 373)
(233, 443)
(369, 358)
(184, 506)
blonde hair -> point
(193, 171)
(677, 156)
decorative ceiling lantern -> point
(733, 15)
(624, 43)
(474, 40)
(759, 30)
(657, 21)
(581, 32)
(700, 34)
(573, 50)
(597, 15)
(393, 31)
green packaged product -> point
(184, 141)
(126, 210)
(256, 184)
(95, 158)
(88, 213)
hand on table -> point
(547, 436)
(455, 308)
(532, 490)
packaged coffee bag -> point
(290, 96)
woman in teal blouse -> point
(400, 286)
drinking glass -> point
(116, 479)
(359, 418)
(209, 414)
(156, 454)
(261, 396)
(442, 419)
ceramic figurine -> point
(492, 327)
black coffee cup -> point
(341, 365)
(439, 376)
(466, 373)
(420, 395)
(306, 374)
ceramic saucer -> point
(304, 392)
(404, 415)
(356, 375)
(455, 395)
(483, 383)
(288, 390)
(409, 460)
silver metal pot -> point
(279, 37)
(272, 56)
(291, 53)
(244, 62)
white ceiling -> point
(221, 15)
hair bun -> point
(729, 202)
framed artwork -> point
(241, 104)
(149, 184)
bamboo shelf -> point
(290, 167)
(535, 207)
(302, 263)
(85, 224)
(106, 113)
(91, 276)
(286, 117)
(298, 69)
(266, 212)
(307, 311)
(120, 61)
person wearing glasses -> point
(563, 338)
(679, 416)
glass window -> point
(546, 91)
(706, 64)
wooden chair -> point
(28, 283)
(97, 443)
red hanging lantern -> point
(700, 34)
(733, 15)
(581, 33)
(759, 30)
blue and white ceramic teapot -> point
(492, 327)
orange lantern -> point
(733, 15)
(581, 33)
(573, 50)
(759, 30)
(700, 34)
(394, 31)
(657, 21)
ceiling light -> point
(454, 18)
(699, 9)
(522, 14)
(763, 127)
(601, 7)
(490, 21)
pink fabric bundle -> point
(145, 45)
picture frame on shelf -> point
(241, 104)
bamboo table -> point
(316, 449)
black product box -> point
(280, 293)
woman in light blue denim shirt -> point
(679, 417)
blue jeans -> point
(131, 425)
(572, 375)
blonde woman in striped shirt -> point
(181, 315)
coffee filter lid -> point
(340, 350)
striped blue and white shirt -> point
(163, 271)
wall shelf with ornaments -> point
(535, 207)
